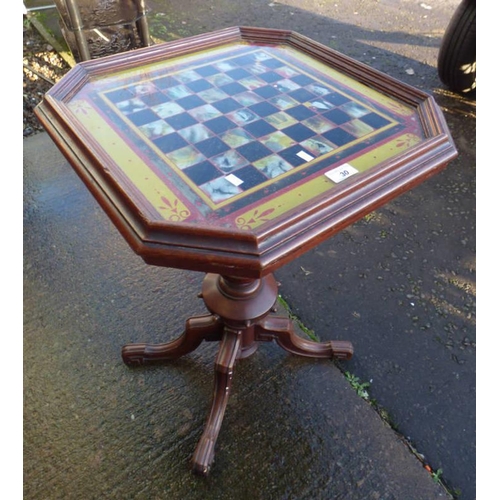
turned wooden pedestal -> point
(240, 317)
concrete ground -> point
(400, 284)
(94, 428)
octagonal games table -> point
(232, 153)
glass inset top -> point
(237, 136)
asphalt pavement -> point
(400, 284)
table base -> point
(240, 317)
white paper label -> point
(305, 156)
(341, 173)
(235, 181)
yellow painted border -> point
(294, 54)
(319, 185)
(169, 207)
(125, 160)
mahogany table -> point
(232, 153)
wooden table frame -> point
(239, 289)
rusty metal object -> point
(96, 28)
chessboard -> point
(232, 126)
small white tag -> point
(305, 156)
(341, 173)
(235, 181)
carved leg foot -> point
(281, 330)
(224, 364)
(207, 327)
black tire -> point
(457, 53)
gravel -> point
(42, 68)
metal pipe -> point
(77, 25)
(142, 23)
(43, 7)
(37, 73)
